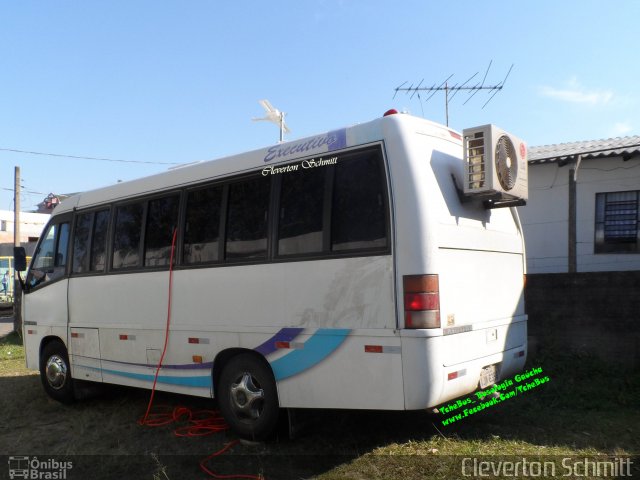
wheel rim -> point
(56, 372)
(247, 398)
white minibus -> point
(356, 269)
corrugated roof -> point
(619, 146)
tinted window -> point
(162, 220)
(81, 236)
(301, 208)
(247, 218)
(358, 211)
(99, 243)
(126, 240)
(202, 228)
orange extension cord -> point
(199, 422)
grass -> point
(587, 408)
(12, 356)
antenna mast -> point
(273, 115)
(448, 89)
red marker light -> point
(373, 349)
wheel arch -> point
(47, 340)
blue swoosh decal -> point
(283, 335)
(316, 349)
(199, 382)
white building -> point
(583, 211)
(31, 226)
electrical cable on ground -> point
(199, 422)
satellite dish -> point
(274, 116)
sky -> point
(144, 85)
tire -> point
(55, 372)
(248, 398)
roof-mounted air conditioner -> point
(495, 166)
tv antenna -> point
(274, 116)
(451, 91)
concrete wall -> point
(545, 217)
(595, 312)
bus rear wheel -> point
(248, 398)
(55, 372)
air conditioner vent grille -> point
(476, 174)
(506, 162)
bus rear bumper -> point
(431, 381)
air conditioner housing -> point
(495, 166)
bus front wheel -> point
(248, 398)
(55, 372)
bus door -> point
(45, 297)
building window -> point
(617, 218)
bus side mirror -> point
(19, 259)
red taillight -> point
(421, 301)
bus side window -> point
(62, 247)
(51, 257)
(127, 236)
(358, 213)
(162, 220)
(202, 227)
(300, 222)
(99, 241)
(247, 218)
(82, 232)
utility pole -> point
(572, 254)
(17, 290)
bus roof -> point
(194, 173)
